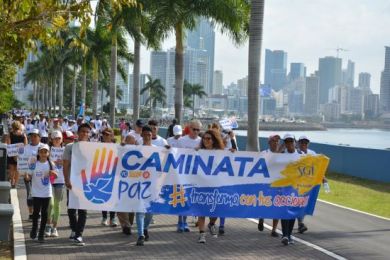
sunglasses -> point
(195, 129)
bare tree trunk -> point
(51, 97)
(95, 79)
(113, 81)
(34, 96)
(61, 91)
(254, 57)
(55, 96)
(84, 87)
(47, 96)
(136, 75)
(179, 74)
(74, 90)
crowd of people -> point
(48, 146)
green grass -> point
(368, 196)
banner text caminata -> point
(189, 182)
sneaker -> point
(285, 241)
(126, 230)
(72, 236)
(54, 232)
(113, 223)
(104, 222)
(186, 228)
(212, 229)
(302, 228)
(260, 226)
(291, 241)
(146, 234)
(41, 240)
(202, 238)
(48, 231)
(221, 231)
(78, 241)
(274, 234)
(140, 241)
(180, 228)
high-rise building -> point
(217, 83)
(243, 86)
(371, 106)
(297, 70)
(203, 38)
(356, 101)
(330, 75)
(349, 74)
(124, 85)
(22, 91)
(275, 69)
(340, 94)
(364, 80)
(312, 95)
(385, 83)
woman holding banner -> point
(211, 140)
(15, 136)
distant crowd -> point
(48, 146)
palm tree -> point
(189, 93)
(254, 57)
(156, 93)
(176, 15)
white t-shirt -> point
(137, 137)
(308, 152)
(31, 152)
(29, 127)
(40, 181)
(55, 155)
(42, 127)
(187, 142)
(159, 141)
(65, 126)
(74, 128)
(98, 124)
(173, 142)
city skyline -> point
(364, 38)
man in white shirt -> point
(42, 127)
(136, 133)
(156, 139)
(303, 145)
(174, 140)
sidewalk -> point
(241, 241)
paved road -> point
(350, 234)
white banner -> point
(15, 149)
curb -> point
(19, 241)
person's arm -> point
(25, 139)
(66, 170)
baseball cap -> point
(33, 131)
(139, 123)
(68, 135)
(303, 137)
(272, 136)
(43, 146)
(288, 136)
(177, 130)
(56, 134)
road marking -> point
(321, 249)
(354, 210)
(19, 241)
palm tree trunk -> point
(254, 57)
(34, 96)
(84, 87)
(74, 85)
(51, 86)
(193, 106)
(61, 91)
(179, 75)
(136, 74)
(47, 96)
(113, 80)
(95, 79)
(55, 96)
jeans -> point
(143, 221)
(40, 206)
(77, 221)
(300, 220)
(112, 215)
(287, 227)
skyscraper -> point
(297, 70)
(312, 95)
(385, 83)
(364, 80)
(349, 74)
(203, 38)
(330, 74)
(275, 69)
(217, 83)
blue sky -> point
(309, 29)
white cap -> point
(287, 136)
(43, 146)
(177, 130)
(56, 134)
(303, 137)
(33, 131)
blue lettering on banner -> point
(175, 163)
(138, 190)
(125, 160)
